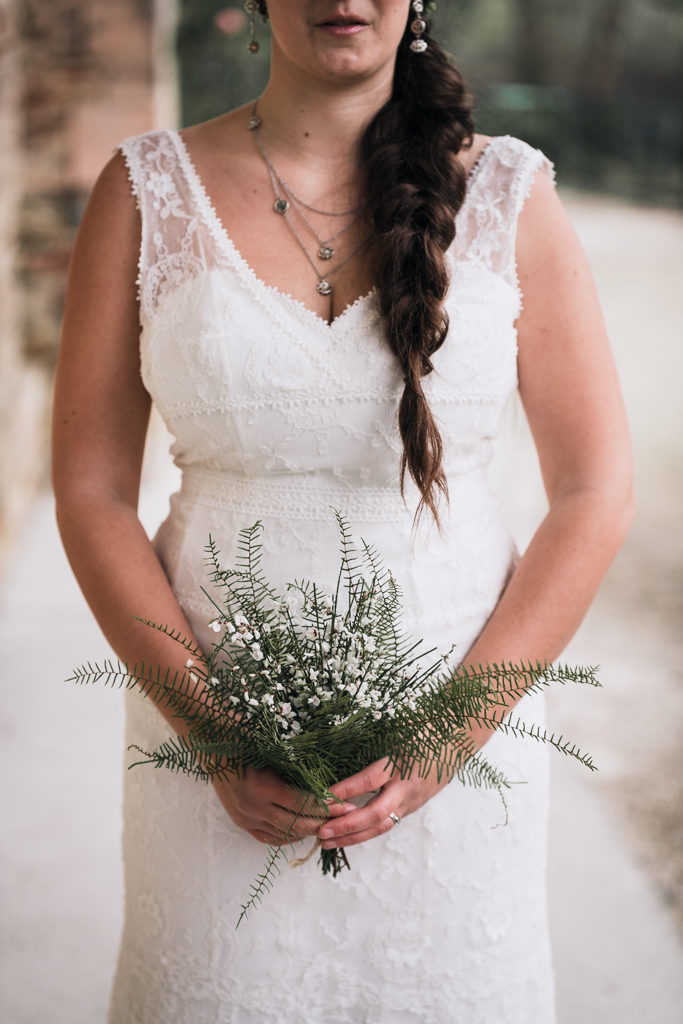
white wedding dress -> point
(278, 415)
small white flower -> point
(214, 681)
(215, 625)
(189, 663)
(256, 653)
(234, 699)
(194, 677)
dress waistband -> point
(310, 498)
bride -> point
(330, 295)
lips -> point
(342, 21)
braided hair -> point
(415, 189)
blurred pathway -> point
(619, 960)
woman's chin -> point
(347, 63)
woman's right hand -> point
(262, 804)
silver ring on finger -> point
(395, 818)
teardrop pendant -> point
(325, 252)
(323, 287)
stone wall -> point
(76, 77)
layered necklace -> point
(285, 202)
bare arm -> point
(570, 391)
(569, 387)
(101, 412)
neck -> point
(320, 121)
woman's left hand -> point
(396, 796)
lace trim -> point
(247, 275)
(523, 184)
(312, 500)
(520, 159)
(127, 149)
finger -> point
(264, 837)
(366, 781)
(335, 809)
(291, 828)
(374, 817)
(359, 837)
(267, 787)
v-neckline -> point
(224, 240)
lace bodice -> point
(251, 381)
(277, 415)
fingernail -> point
(324, 835)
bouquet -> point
(316, 686)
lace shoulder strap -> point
(172, 249)
(499, 186)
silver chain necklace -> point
(281, 206)
(325, 248)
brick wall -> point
(76, 77)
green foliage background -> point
(597, 84)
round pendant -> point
(324, 287)
(280, 206)
(418, 46)
(325, 252)
(254, 122)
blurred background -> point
(596, 84)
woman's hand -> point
(396, 796)
(263, 805)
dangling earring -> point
(252, 7)
(417, 27)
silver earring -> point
(252, 8)
(417, 27)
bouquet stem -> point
(334, 860)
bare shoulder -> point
(544, 222)
(113, 185)
(111, 220)
(227, 132)
(468, 157)
(104, 260)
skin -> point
(324, 88)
